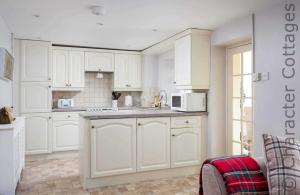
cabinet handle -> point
(93, 126)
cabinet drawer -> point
(65, 116)
(186, 121)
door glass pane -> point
(247, 62)
(247, 86)
(247, 136)
(247, 109)
(236, 110)
(236, 86)
(236, 148)
(236, 66)
(236, 130)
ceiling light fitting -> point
(97, 10)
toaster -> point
(65, 103)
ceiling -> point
(127, 24)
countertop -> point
(74, 109)
(12, 125)
(139, 113)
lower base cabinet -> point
(38, 133)
(153, 143)
(65, 131)
(113, 147)
(185, 147)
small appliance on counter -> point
(128, 101)
(188, 102)
(65, 103)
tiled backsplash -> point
(96, 93)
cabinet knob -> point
(50, 117)
(70, 85)
(174, 82)
(139, 124)
(66, 84)
(69, 116)
(93, 126)
(49, 86)
(49, 78)
(173, 135)
(100, 70)
(186, 122)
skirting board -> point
(89, 183)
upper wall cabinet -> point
(96, 61)
(68, 70)
(192, 60)
(128, 72)
(35, 61)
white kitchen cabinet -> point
(38, 133)
(65, 131)
(97, 61)
(185, 146)
(153, 143)
(192, 60)
(128, 72)
(12, 154)
(68, 70)
(113, 147)
(36, 62)
(36, 97)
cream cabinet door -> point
(113, 147)
(183, 60)
(76, 69)
(153, 143)
(38, 133)
(36, 61)
(120, 74)
(60, 68)
(96, 61)
(134, 71)
(128, 72)
(35, 97)
(65, 135)
(185, 147)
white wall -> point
(166, 73)
(5, 86)
(269, 95)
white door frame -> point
(243, 45)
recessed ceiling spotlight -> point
(99, 24)
(97, 10)
(36, 15)
(154, 30)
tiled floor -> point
(60, 176)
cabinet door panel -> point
(95, 61)
(113, 147)
(183, 61)
(153, 144)
(65, 135)
(35, 61)
(134, 71)
(35, 97)
(38, 133)
(121, 72)
(60, 68)
(185, 145)
(76, 69)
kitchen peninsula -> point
(125, 146)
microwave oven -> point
(188, 102)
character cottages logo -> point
(288, 72)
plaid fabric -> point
(283, 164)
(241, 174)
